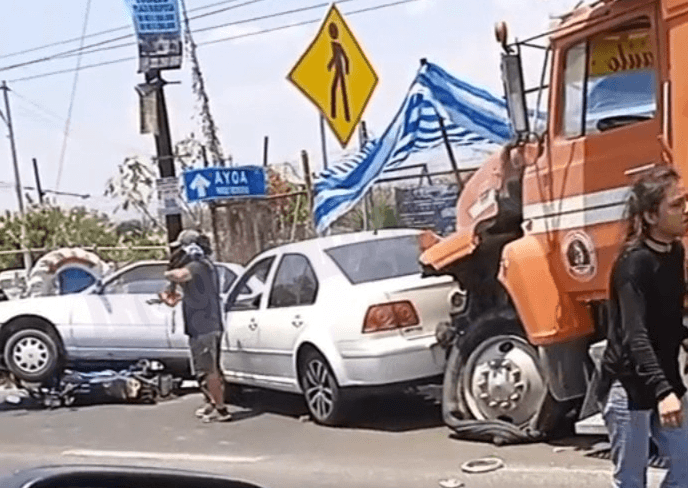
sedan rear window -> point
(378, 259)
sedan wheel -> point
(32, 355)
(323, 395)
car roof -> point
(328, 242)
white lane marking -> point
(562, 470)
(161, 456)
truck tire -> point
(32, 355)
(495, 376)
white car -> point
(116, 322)
(329, 316)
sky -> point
(250, 97)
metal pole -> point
(322, 141)
(17, 178)
(450, 153)
(163, 145)
(265, 152)
(362, 139)
(38, 181)
(307, 178)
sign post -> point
(336, 76)
(158, 31)
(223, 182)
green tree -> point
(50, 227)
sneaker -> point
(204, 411)
(217, 416)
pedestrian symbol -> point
(336, 76)
(340, 63)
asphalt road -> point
(396, 441)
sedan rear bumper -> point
(381, 361)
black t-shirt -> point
(646, 325)
(201, 301)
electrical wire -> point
(100, 33)
(37, 106)
(230, 38)
(78, 51)
(72, 97)
(85, 50)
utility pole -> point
(38, 182)
(17, 179)
(163, 145)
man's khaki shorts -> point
(205, 353)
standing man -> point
(640, 370)
(202, 318)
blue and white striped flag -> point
(470, 115)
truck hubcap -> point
(502, 380)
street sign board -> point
(428, 207)
(168, 195)
(158, 30)
(336, 76)
(224, 182)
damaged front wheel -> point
(494, 387)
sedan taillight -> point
(388, 316)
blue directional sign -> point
(218, 182)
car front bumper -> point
(394, 359)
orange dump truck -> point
(540, 223)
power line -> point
(100, 33)
(239, 36)
(78, 51)
(84, 50)
(269, 16)
(71, 70)
(63, 152)
(230, 38)
(37, 106)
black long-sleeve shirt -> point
(646, 325)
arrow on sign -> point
(199, 185)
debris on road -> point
(483, 465)
(142, 382)
(13, 399)
(305, 418)
(563, 449)
(451, 483)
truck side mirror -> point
(512, 77)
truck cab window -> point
(610, 80)
(621, 85)
(574, 76)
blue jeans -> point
(629, 433)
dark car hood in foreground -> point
(79, 476)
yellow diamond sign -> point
(336, 76)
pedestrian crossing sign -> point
(336, 76)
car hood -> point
(54, 308)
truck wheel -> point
(32, 355)
(496, 375)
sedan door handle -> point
(297, 321)
(153, 301)
(253, 325)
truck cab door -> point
(603, 127)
